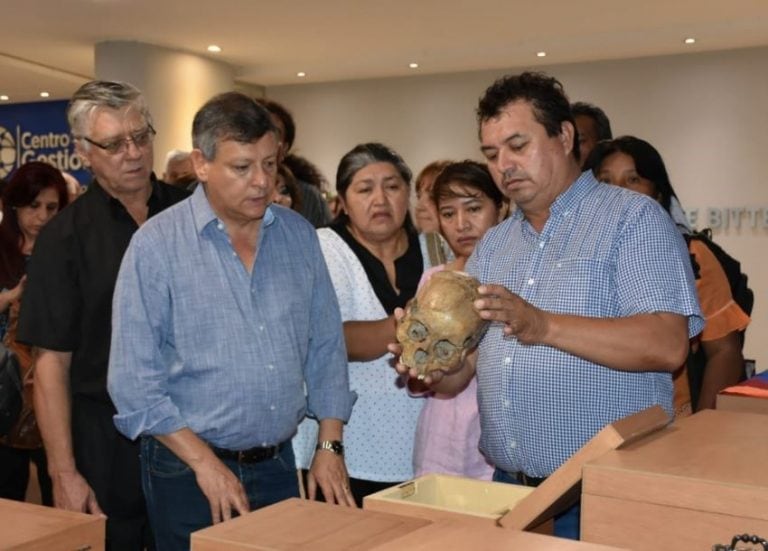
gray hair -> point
(362, 156)
(102, 93)
(229, 116)
(175, 155)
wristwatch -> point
(334, 446)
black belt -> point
(526, 480)
(252, 455)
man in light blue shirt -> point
(223, 314)
(588, 287)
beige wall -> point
(706, 113)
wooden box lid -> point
(561, 489)
(26, 526)
(298, 524)
(711, 461)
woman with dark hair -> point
(286, 192)
(35, 193)
(635, 164)
(375, 258)
(448, 433)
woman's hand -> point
(12, 295)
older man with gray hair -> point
(66, 313)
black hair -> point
(602, 123)
(229, 116)
(470, 174)
(285, 117)
(648, 163)
(549, 103)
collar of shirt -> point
(204, 216)
(569, 198)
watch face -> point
(332, 445)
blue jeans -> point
(566, 523)
(177, 507)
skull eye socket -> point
(417, 331)
(444, 350)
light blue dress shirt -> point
(199, 342)
(604, 252)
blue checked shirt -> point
(604, 252)
(199, 342)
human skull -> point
(440, 323)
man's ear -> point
(567, 136)
(200, 165)
(82, 153)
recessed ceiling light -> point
(413, 65)
(301, 74)
(214, 49)
(690, 41)
(541, 54)
(4, 98)
(44, 94)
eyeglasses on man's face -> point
(141, 138)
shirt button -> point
(506, 403)
(530, 281)
(513, 444)
(272, 407)
(559, 264)
(507, 360)
(270, 366)
(220, 226)
(261, 328)
(541, 244)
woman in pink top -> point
(448, 431)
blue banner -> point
(38, 132)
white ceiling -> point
(48, 44)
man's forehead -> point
(107, 119)
(516, 117)
(266, 144)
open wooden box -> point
(440, 497)
(693, 485)
(434, 512)
(28, 527)
(301, 525)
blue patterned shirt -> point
(604, 252)
(199, 342)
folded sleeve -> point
(138, 372)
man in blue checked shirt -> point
(588, 287)
(223, 314)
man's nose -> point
(132, 150)
(260, 178)
(506, 162)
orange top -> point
(720, 311)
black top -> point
(408, 269)
(71, 276)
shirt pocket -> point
(579, 286)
